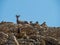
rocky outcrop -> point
(29, 34)
(3, 38)
(12, 40)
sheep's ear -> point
(17, 15)
(30, 21)
(37, 22)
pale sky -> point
(31, 10)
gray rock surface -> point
(3, 38)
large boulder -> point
(12, 40)
(3, 38)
